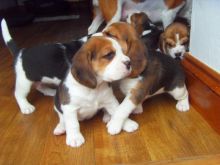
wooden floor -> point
(165, 136)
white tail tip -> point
(5, 33)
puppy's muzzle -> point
(127, 64)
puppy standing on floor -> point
(86, 89)
(43, 66)
(161, 74)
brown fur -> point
(138, 20)
(171, 4)
(146, 85)
(168, 38)
(108, 8)
(161, 72)
(132, 45)
(89, 62)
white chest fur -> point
(87, 101)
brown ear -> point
(138, 55)
(82, 69)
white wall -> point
(205, 32)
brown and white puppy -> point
(86, 89)
(163, 11)
(148, 31)
(175, 39)
(161, 74)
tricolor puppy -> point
(161, 74)
(163, 11)
(86, 88)
(148, 31)
(174, 40)
(43, 66)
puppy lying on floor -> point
(43, 66)
(161, 74)
(86, 88)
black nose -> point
(177, 54)
(127, 64)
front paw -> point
(114, 127)
(75, 141)
(182, 105)
(130, 125)
(27, 108)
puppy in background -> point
(148, 32)
(174, 41)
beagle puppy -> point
(86, 88)
(161, 74)
(148, 31)
(163, 11)
(43, 66)
(174, 40)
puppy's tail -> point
(7, 38)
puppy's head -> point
(131, 45)
(174, 41)
(100, 58)
(140, 22)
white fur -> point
(178, 48)
(116, 69)
(181, 95)
(85, 102)
(48, 80)
(5, 33)
(127, 106)
(97, 21)
(22, 88)
(146, 32)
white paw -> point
(138, 110)
(106, 117)
(114, 127)
(75, 141)
(130, 126)
(27, 108)
(59, 130)
(182, 105)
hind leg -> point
(60, 128)
(22, 88)
(181, 95)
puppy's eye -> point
(109, 56)
(110, 35)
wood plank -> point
(201, 160)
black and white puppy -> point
(43, 66)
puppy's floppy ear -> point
(82, 69)
(138, 55)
